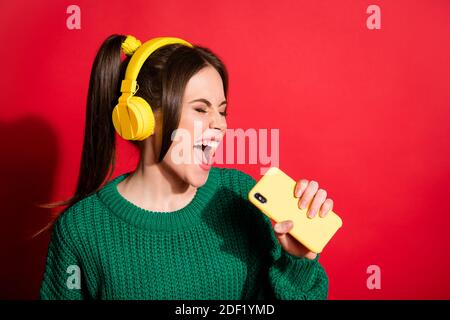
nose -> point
(217, 121)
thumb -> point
(288, 242)
(281, 230)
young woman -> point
(171, 229)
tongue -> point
(203, 156)
(207, 153)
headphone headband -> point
(140, 55)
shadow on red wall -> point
(30, 155)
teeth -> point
(212, 144)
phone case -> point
(277, 189)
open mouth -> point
(204, 151)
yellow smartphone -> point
(273, 194)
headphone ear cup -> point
(127, 120)
(147, 124)
(135, 120)
(124, 121)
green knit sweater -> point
(219, 246)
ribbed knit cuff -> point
(295, 278)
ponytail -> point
(98, 155)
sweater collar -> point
(181, 219)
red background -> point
(363, 112)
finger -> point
(327, 206)
(300, 187)
(319, 198)
(309, 193)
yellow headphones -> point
(133, 117)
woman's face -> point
(201, 129)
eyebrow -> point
(207, 102)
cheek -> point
(225, 123)
(193, 123)
(189, 129)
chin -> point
(197, 177)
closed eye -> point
(200, 110)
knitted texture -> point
(219, 246)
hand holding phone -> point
(273, 194)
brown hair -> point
(162, 81)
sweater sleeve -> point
(288, 277)
(62, 275)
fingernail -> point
(312, 213)
(277, 227)
(302, 187)
(302, 205)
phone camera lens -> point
(260, 197)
